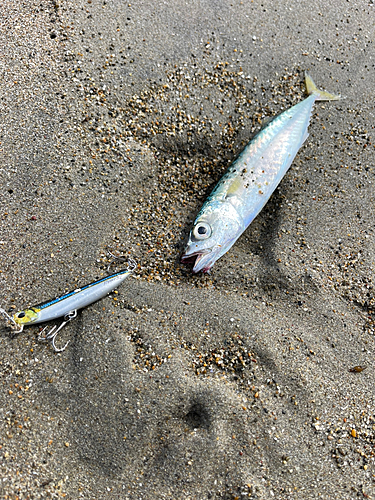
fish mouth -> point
(202, 260)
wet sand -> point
(116, 121)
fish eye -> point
(202, 231)
(21, 314)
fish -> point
(67, 305)
(249, 182)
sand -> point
(253, 381)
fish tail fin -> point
(321, 95)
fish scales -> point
(249, 182)
(255, 174)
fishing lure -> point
(249, 182)
(67, 305)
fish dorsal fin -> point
(266, 121)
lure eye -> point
(21, 315)
(202, 231)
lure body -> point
(249, 182)
(72, 301)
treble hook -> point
(51, 335)
(131, 263)
(13, 325)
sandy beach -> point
(255, 380)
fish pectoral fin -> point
(234, 186)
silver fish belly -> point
(249, 182)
